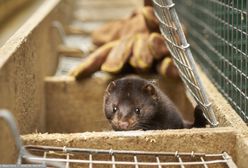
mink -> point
(134, 103)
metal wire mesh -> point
(79, 157)
(219, 40)
(176, 42)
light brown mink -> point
(133, 103)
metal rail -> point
(91, 157)
(179, 48)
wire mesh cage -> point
(219, 40)
(178, 46)
(79, 157)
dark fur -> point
(157, 111)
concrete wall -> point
(25, 59)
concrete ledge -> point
(242, 150)
(200, 140)
(186, 140)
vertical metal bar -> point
(136, 161)
(67, 160)
(241, 62)
(224, 82)
(227, 54)
(204, 163)
(90, 159)
(59, 27)
(237, 60)
(228, 46)
(158, 161)
(246, 63)
(172, 36)
(232, 41)
(221, 42)
(180, 161)
(202, 96)
(44, 157)
(113, 161)
(183, 59)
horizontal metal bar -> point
(230, 7)
(111, 152)
(164, 6)
(102, 162)
(22, 166)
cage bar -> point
(179, 48)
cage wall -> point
(218, 34)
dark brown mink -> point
(133, 103)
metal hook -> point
(64, 48)
(6, 115)
(23, 153)
(59, 27)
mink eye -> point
(115, 109)
(137, 111)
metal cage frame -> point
(69, 156)
(179, 48)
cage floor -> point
(81, 157)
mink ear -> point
(149, 88)
(110, 87)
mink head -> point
(130, 103)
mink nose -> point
(123, 124)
